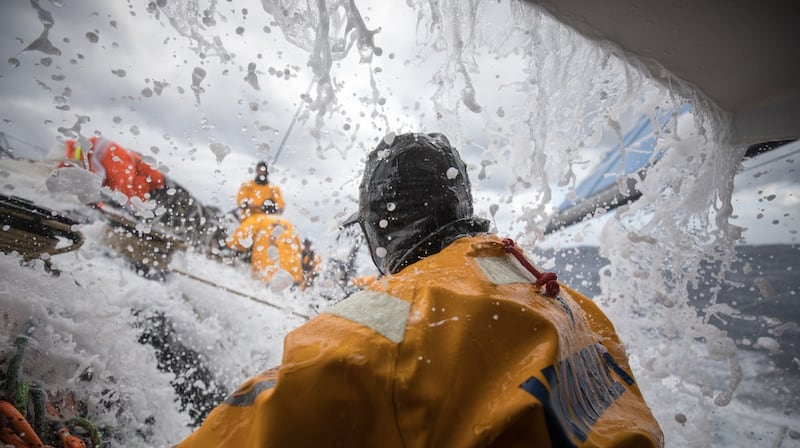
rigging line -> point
(291, 125)
(233, 291)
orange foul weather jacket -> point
(274, 245)
(252, 195)
(122, 170)
(457, 350)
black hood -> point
(414, 200)
(261, 178)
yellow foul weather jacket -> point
(251, 197)
(459, 349)
(274, 245)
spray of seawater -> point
(559, 93)
(552, 94)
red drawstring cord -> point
(547, 279)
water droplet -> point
(14, 62)
(220, 150)
(383, 223)
(380, 252)
(452, 173)
(92, 37)
(391, 206)
(119, 72)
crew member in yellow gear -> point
(272, 241)
(253, 193)
(461, 343)
(310, 262)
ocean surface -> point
(762, 284)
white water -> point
(527, 99)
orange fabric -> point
(251, 197)
(262, 233)
(363, 281)
(311, 262)
(68, 440)
(128, 174)
(74, 155)
(19, 432)
(74, 151)
(122, 170)
(457, 350)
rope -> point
(12, 375)
(247, 296)
(37, 397)
(547, 279)
(291, 125)
(19, 432)
(94, 434)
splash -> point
(42, 43)
(552, 95)
(327, 29)
(560, 92)
(191, 20)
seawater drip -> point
(42, 43)
(327, 30)
(185, 18)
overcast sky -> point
(135, 72)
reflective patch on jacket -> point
(385, 314)
(504, 270)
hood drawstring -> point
(547, 279)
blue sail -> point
(628, 160)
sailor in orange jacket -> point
(311, 262)
(462, 343)
(273, 242)
(121, 169)
(255, 192)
